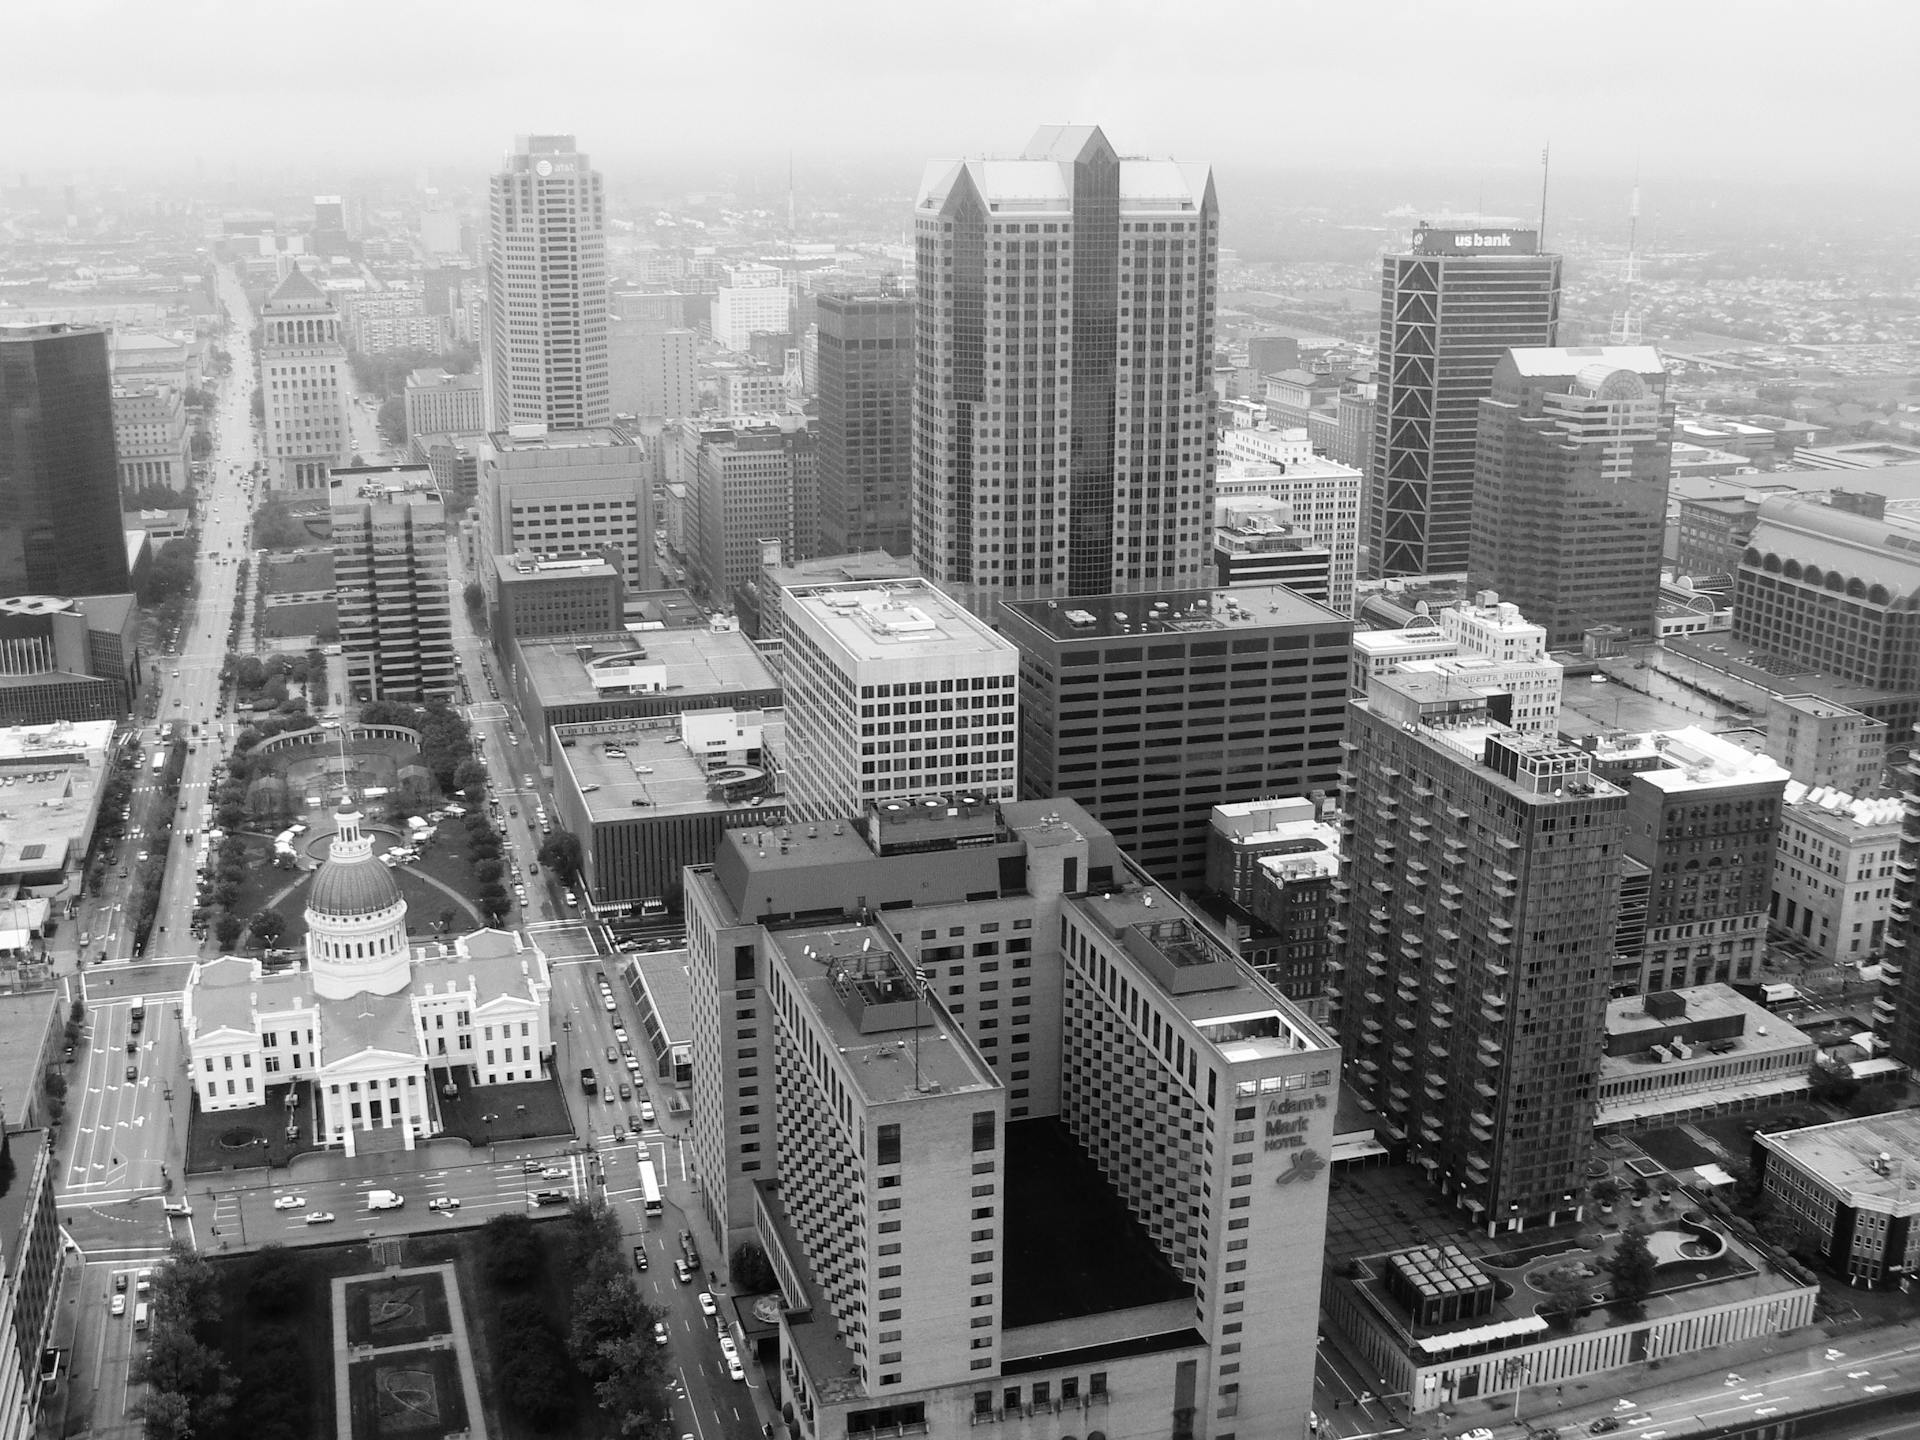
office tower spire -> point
(1062, 411)
(546, 348)
(1449, 309)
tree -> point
(474, 596)
(1567, 1290)
(268, 927)
(561, 854)
(1631, 1265)
(511, 1249)
(276, 1279)
(56, 1084)
(750, 1270)
(392, 420)
(485, 870)
(530, 1363)
(633, 1384)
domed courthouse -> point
(376, 1025)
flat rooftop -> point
(892, 1064)
(1695, 760)
(49, 778)
(656, 777)
(1072, 1247)
(1846, 1155)
(528, 437)
(1173, 612)
(26, 1019)
(893, 619)
(1237, 1011)
(525, 566)
(697, 662)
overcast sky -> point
(1720, 88)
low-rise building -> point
(68, 659)
(1824, 743)
(150, 437)
(630, 674)
(1441, 1327)
(1833, 872)
(55, 777)
(1264, 549)
(540, 597)
(1683, 1055)
(1853, 1188)
(442, 404)
(649, 797)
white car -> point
(735, 1370)
(320, 1217)
(120, 1308)
(659, 1330)
(290, 1202)
(620, 1034)
(707, 1307)
(607, 1000)
(646, 1111)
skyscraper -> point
(1021, 1138)
(1449, 310)
(546, 348)
(59, 488)
(1475, 933)
(1570, 488)
(390, 568)
(1142, 707)
(866, 423)
(303, 385)
(1063, 409)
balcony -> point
(1485, 1091)
(1405, 1022)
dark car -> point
(1604, 1424)
(551, 1197)
(639, 1257)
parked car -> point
(707, 1307)
(119, 1306)
(646, 1111)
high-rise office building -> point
(1019, 1136)
(1151, 709)
(390, 570)
(1475, 934)
(652, 368)
(1449, 310)
(60, 509)
(866, 423)
(566, 492)
(893, 690)
(1702, 816)
(546, 346)
(753, 300)
(304, 385)
(1063, 401)
(59, 492)
(752, 480)
(1570, 488)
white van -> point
(385, 1200)
(140, 1316)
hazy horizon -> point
(1709, 94)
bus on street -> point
(649, 1186)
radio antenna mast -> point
(1544, 151)
(1626, 324)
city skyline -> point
(1509, 79)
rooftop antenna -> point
(1545, 151)
(1626, 324)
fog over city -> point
(992, 720)
(1699, 90)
